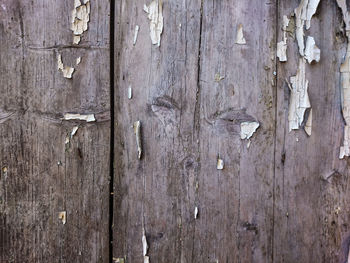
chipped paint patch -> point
(78, 61)
(312, 52)
(308, 124)
(282, 45)
(66, 70)
(129, 93)
(74, 131)
(303, 15)
(240, 40)
(81, 117)
(155, 15)
(80, 19)
(220, 164)
(345, 83)
(137, 131)
(63, 217)
(144, 247)
(137, 28)
(248, 129)
(195, 212)
(299, 98)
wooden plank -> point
(312, 214)
(42, 176)
(157, 192)
(236, 203)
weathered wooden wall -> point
(282, 199)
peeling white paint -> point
(312, 52)
(195, 212)
(248, 128)
(78, 61)
(303, 15)
(80, 19)
(144, 247)
(240, 40)
(63, 217)
(345, 83)
(299, 98)
(74, 131)
(308, 124)
(66, 70)
(155, 15)
(137, 28)
(248, 144)
(220, 164)
(137, 131)
(77, 116)
(282, 45)
(129, 93)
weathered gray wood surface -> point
(41, 176)
(282, 199)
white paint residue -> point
(308, 124)
(129, 93)
(62, 216)
(137, 28)
(240, 40)
(312, 52)
(195, 212)
(144, 247)
(220, 164)
(282, 45)
(78, 61)
(248, 128)
(137, 131)
(248, 144)
(299, 98)
(66, 70)
(74, 131)
(80, 19)
(345, 83)
(77, 116)
(303, 15)
(155, 15)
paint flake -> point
(345, 83)
(299, 98)
(66, 70)
(282, 45)
(80, 19)
(220, 164)
(195, 212)
(144, 247)
(312, 52)
(155, 15)
(137, 28)
(240, 40)
(78, 61)
(63, 217)
(303, 15)
(74, 131)
(77, 116)
(129, 93)
(248, 129)
(137, 131)
(308, 124)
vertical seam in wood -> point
(111, 161)
(275, 140)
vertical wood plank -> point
(42, 176)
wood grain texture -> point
(311, 205)
(40, 175)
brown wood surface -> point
(44, 176)
(282, 199)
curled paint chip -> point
(144, 247)
(308, 124)
(240, 40)
(299, 97)
(80, 19)
(312, 52)
(137, 131)
(66, 70)
(77, 116)
(137, 28)
(303, 15)
(220, 164)
(195, 212)
(63, 217)
(74, 131)
(248, 128)
(282, 45)
(155, 15)
(129, 93)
